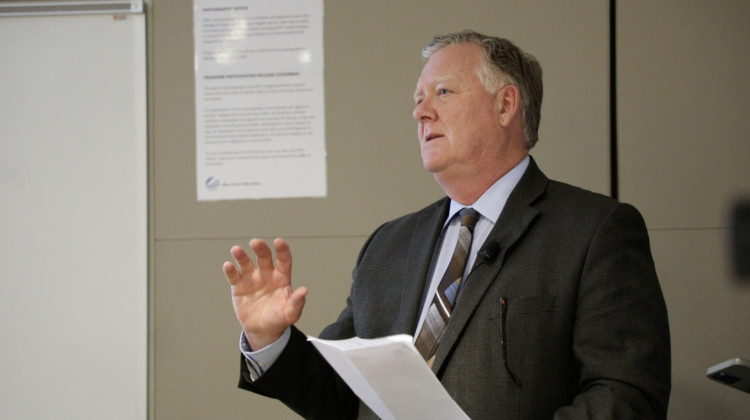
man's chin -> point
(432, 165)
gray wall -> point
(684, 159)
(681, 161)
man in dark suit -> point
(559, 313)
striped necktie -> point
(445, 297)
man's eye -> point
(442, 91)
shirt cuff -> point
(259, 361)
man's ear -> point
(508, 104)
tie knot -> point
(469, 217)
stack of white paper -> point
(391, 377)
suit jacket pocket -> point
(526, 305)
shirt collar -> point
(492, 202)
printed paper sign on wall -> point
(259, 94)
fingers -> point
(283, 256)
(262, 253)
(261, 292)
(264, 259)
(230, 272)
(243, 260)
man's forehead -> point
(449, 64)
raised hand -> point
(262, 294)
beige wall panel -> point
(683, 90)
(708, 314)
(372, 62)
(683, 101)
(196, 353)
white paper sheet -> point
(391, 377)
(259, 99)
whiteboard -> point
(73, 225)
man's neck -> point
(467, 191)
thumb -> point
(296, 304)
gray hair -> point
(502, 64)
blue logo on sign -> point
(212, 183)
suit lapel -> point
(510, 227)
(423, 242)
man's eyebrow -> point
(432, 82)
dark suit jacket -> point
(586, 324)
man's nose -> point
(423, 111)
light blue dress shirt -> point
(489, 206)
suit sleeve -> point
(302, 379)
(305, 382)
(621, 333)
